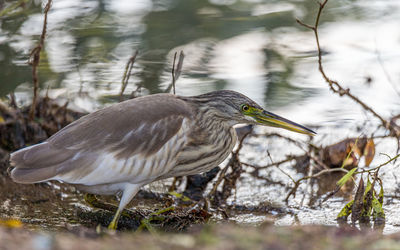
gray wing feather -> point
(139, 126)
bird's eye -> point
(245, 107)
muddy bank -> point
(227, 236)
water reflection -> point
(88, 43)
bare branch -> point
(127, 74)
(297, 183)
(378, 167)
(334, 85)
(34, 60)
(13, 102)
(176, 73)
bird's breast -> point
(206, 149)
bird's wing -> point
(138, 127)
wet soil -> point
(226, 236)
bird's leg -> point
(92, 200)
(114, 223)
(128, 193)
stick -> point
(127, 74)
(176, 72)
(334, 85)
(34, 60)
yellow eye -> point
(245, 107)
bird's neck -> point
(206, 112)
(207, 117)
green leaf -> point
(378, 214)
(346, 211)
(346, 177)
(367, 208)
(179, 196)
(380, 196)
(368, 187)
(378, 210)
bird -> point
(120, 148)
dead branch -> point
(288, 159)
(13, 102)
(284, 172)
(127, 74)
(297, 183)
(378, 167)
(334, 85)
(176, 73)
(34, 60)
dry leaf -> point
(369, 152)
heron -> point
(118, 149)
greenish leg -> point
(128, 193)
(114, 222)
(92, 200)
(145, 223)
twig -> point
(34, 59)
(176, 72)
(284, 172)
(334, 85)
(378, 167)
(297, 183)
(288, 159)
(13, 102)
(127, 74)
(320, 163)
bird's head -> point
(236, 108)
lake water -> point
(251, 46)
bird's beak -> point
(269, 119)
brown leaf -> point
(344, 153)
(369, 152)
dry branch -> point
(334, 85)
(34, 60)
(297, 183)
(127, 74)
(176, 71)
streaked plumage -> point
(127, 145)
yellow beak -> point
(269, 119)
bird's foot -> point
(92, 200)
(155, 216)
(114, 223)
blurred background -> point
(252, 46)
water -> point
(254, 46)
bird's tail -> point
(36, 163)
